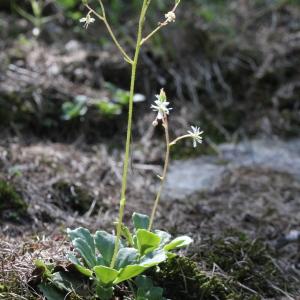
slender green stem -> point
(129, 128)
(110, 31)
(160, 25)
(180, 138)
(94, 12)
(126, 57)
(165, 23)
(164, 174)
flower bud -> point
(155, 123)
(170, 16)
(162, 95)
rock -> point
(73, 46)
(276, 155)
(193, 175)
(187, 177)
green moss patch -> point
(12, 205)
(233, 267)
(249, 263)
(181, 278)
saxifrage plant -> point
(137, 252)
(109, 259)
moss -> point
(248, 272)
(72, 197)
(3, 288)
(181, 278)
(246, 261)
(12, 206)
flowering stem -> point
(129, 128)
(154, 31)
(179, 138)
(163, 177)
(160, 25)
(109, 29)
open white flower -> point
(161, 108)
(161, 105)
(87, 20)
(196, 135)
(170, 17)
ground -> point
(251, 205)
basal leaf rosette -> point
(138, 251)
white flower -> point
(161, 105)
(170, 17)
(195, 134)
(161, 108)
(87, 20)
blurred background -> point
(231, 67)
(234, 65)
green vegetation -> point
(243, 269)
(248, 266)
(36, 16)
(246, 261)
(138, 252)
(229, 268)
(181, 278)
(146, 290)
(108, 108)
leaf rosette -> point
(138, 252)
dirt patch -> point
(65, 184)
(73, 197)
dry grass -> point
(17, 257)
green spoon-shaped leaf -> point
(125, 257)
(105, 244)
(179, 242)
(105, 275)
(87, 254)
(140, 221)
(147, 241)
(83, 234)
(74, 260)
(129, 272)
